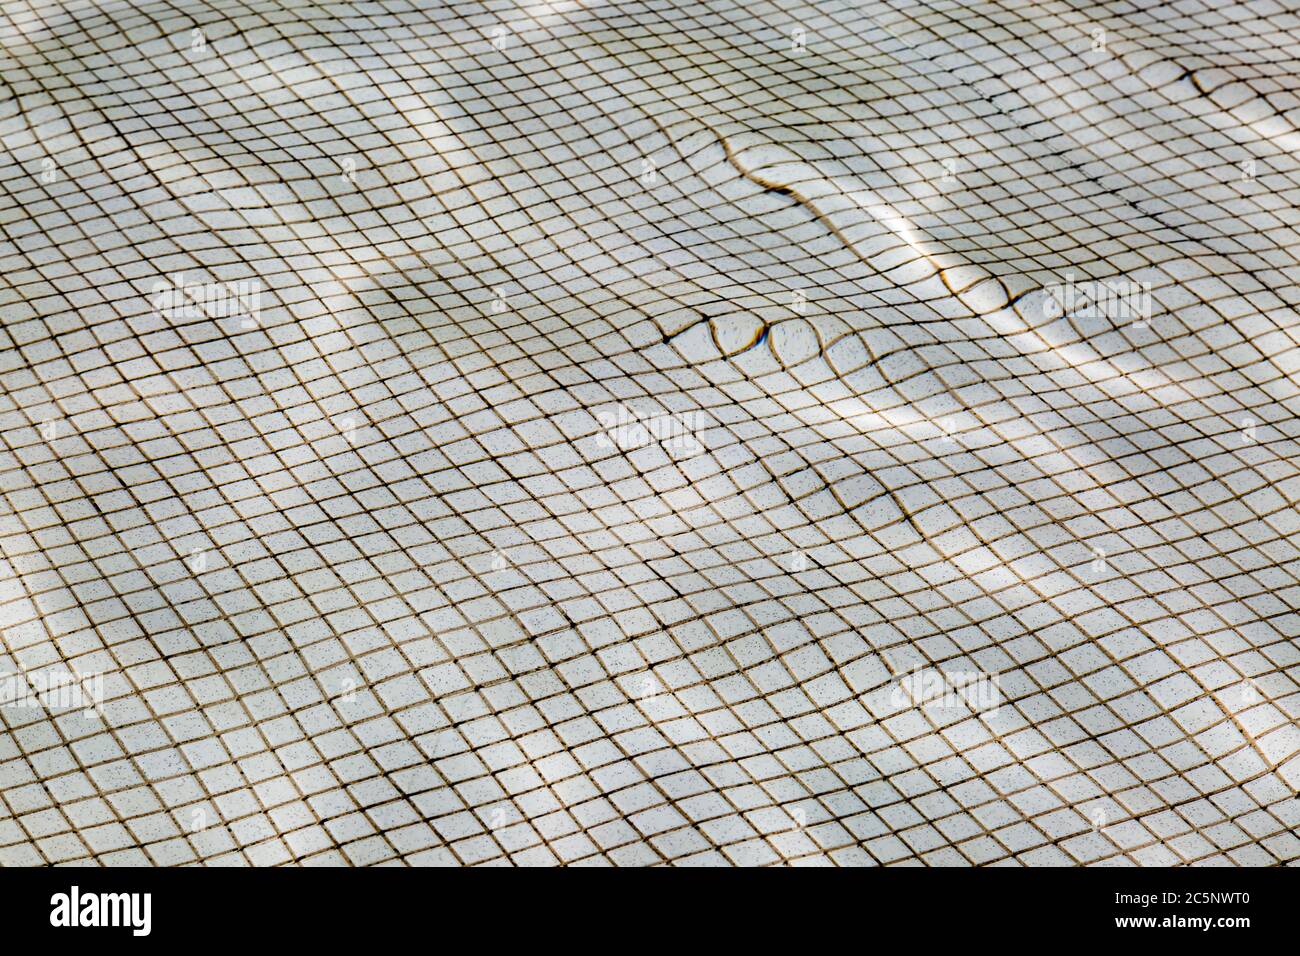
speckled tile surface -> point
(649, 433)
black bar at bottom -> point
(339, 907)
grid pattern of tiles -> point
(650, 432)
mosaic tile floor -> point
(649, 432)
